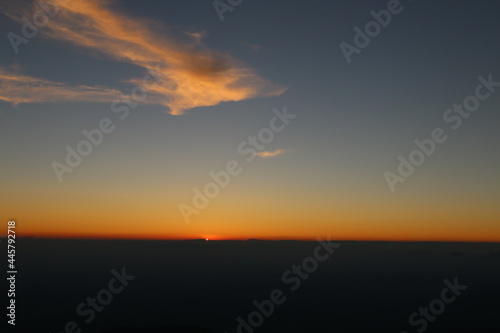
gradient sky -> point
(222, 81)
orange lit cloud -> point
(194, 76)
(267, 153)
(16, 88)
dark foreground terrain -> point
(199, 286)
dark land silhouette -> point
(200, 286)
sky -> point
(305, 135)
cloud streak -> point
(268, 153)
(194, 76)
(16, 88)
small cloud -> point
(197, 36)
(252, 46)
(267, 153)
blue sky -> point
(353, 120)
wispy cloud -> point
(16, 88)
(194, 75)
(252, 46)
(267, 153)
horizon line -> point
(249, 239)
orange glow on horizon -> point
(214, 237)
